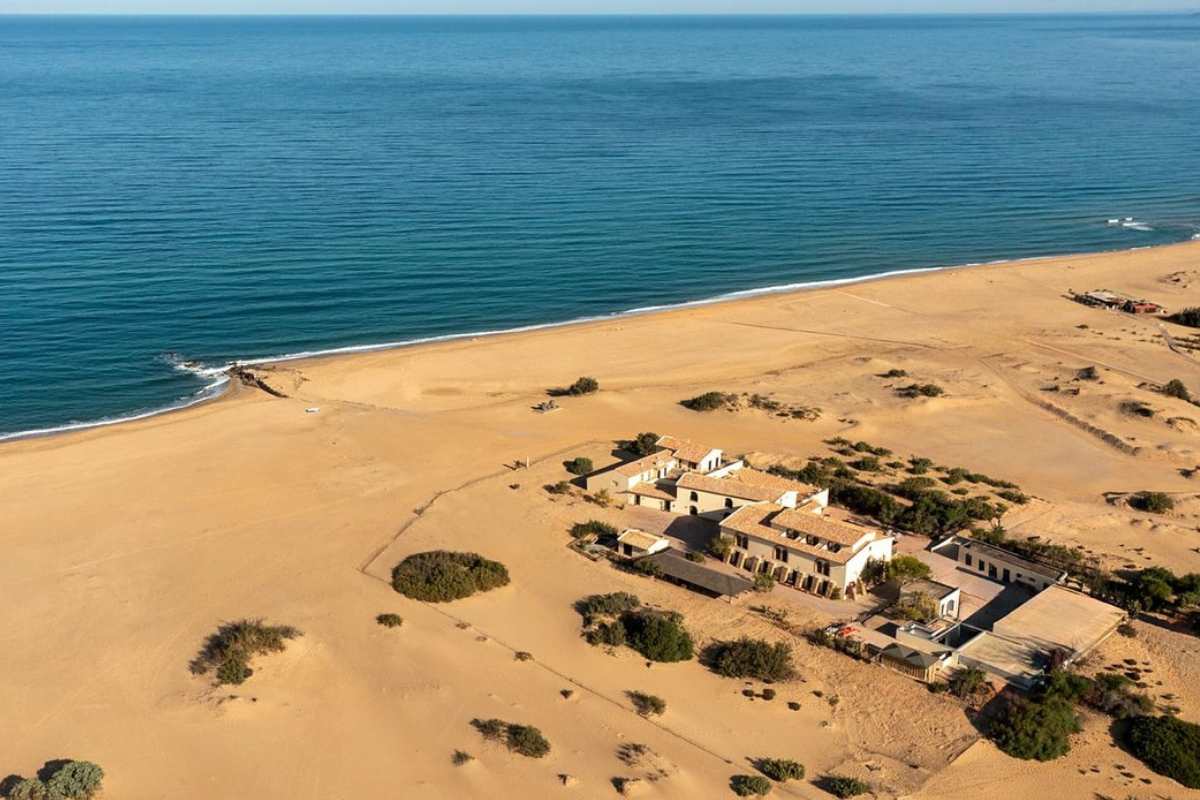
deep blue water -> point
(229, 188)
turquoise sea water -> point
(211, 189)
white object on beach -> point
(312, 410)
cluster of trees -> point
(1040, 726)
(228, 652)
(1167, 745)
(439, 576)
(1152, 502)
(593, 527)
(581, 386)
(920, 390)
(1188, 316)
(617, 619)
(643, 444)
(1151, 589)
(523, 739)
(579, 465)
(59, 780)
(751, 658)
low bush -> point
(643, 444)
(694, 556)
(1167, 745)
(523, 739)
(658, 636)
(583, 386)
(1152, 502)
(610, 634)
(1188, 316)
(593, 527)
(749, 785)
(844, 786)
(651, 569)
(967, 682)
(1176, 388)
(763, 582)
(905, 569)
(439, 576)
(781, 769)
(1112, 694)
(920, 390)
(60, 780)
(461, 757)
(647, 704)
(1029, 729)
(390, 620)
(561, 487)
(228, 652)
(894, 373)
(611, 604)
(720, 547)
(752, 658)
(579, 465)
(709, 401)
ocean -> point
(178, 193)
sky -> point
(583, 6)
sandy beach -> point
(126, 546)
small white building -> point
(1004, 566)
(634, 543)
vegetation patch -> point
(390, 620)
(439, 576)
(1189, 317)
(751, 658)
(1167, 745)
(749, 785)
(580, 387)
(709, 401)
(647, 704)
(843, 785)
(593, 527)
(579, 465)
(781, 769)
(920, 390)
(525, 740)
(1152, 502)
(228, 652)
(643, 444)
(62, 779)
(1177, 389)
(658, 636)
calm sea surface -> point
(203, 190)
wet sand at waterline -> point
(126, 546)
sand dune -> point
(126, 546)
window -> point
(694, 496)
(968, 559)
(981, 565)
(742, 541)
(781, 554)
(729, 502)
(823, 568)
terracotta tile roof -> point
(726, 487)
(685, 450)
(639, 539)
(819, 525)
(653, 461)
(755, 520)
(651, 490)
(766, 479)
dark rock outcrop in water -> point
(252, 379)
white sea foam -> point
(218, 376)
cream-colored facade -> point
(803, 547)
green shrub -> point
(1013, 496)
(1167, 745)
(920, 390)
(968, 682)
(650, 569)
(579, 465)
(461, 757)
(593, 527)
(228, 652)
(75, 779)
(1113, 694)
(643, 444)
(752, 658)
(917, 606)
(583, 386)
(1036, 730)
(781, 769)
(747, 785)
(1177, 388)
(894, 373)
(694, 556)
(439, 576)
(647, 704)
(390, 620)
(561, 487)
(919, 466)
(906, 569)
(657, 636)
(1188, 316)
(1153, 502)
(611, 634)
(611, 604)
(763, 582)
(720, 547)
(523, 739)
(28, 789)
(844, 786)
(709, 401)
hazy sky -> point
(580, 6)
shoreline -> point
(222, 387)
